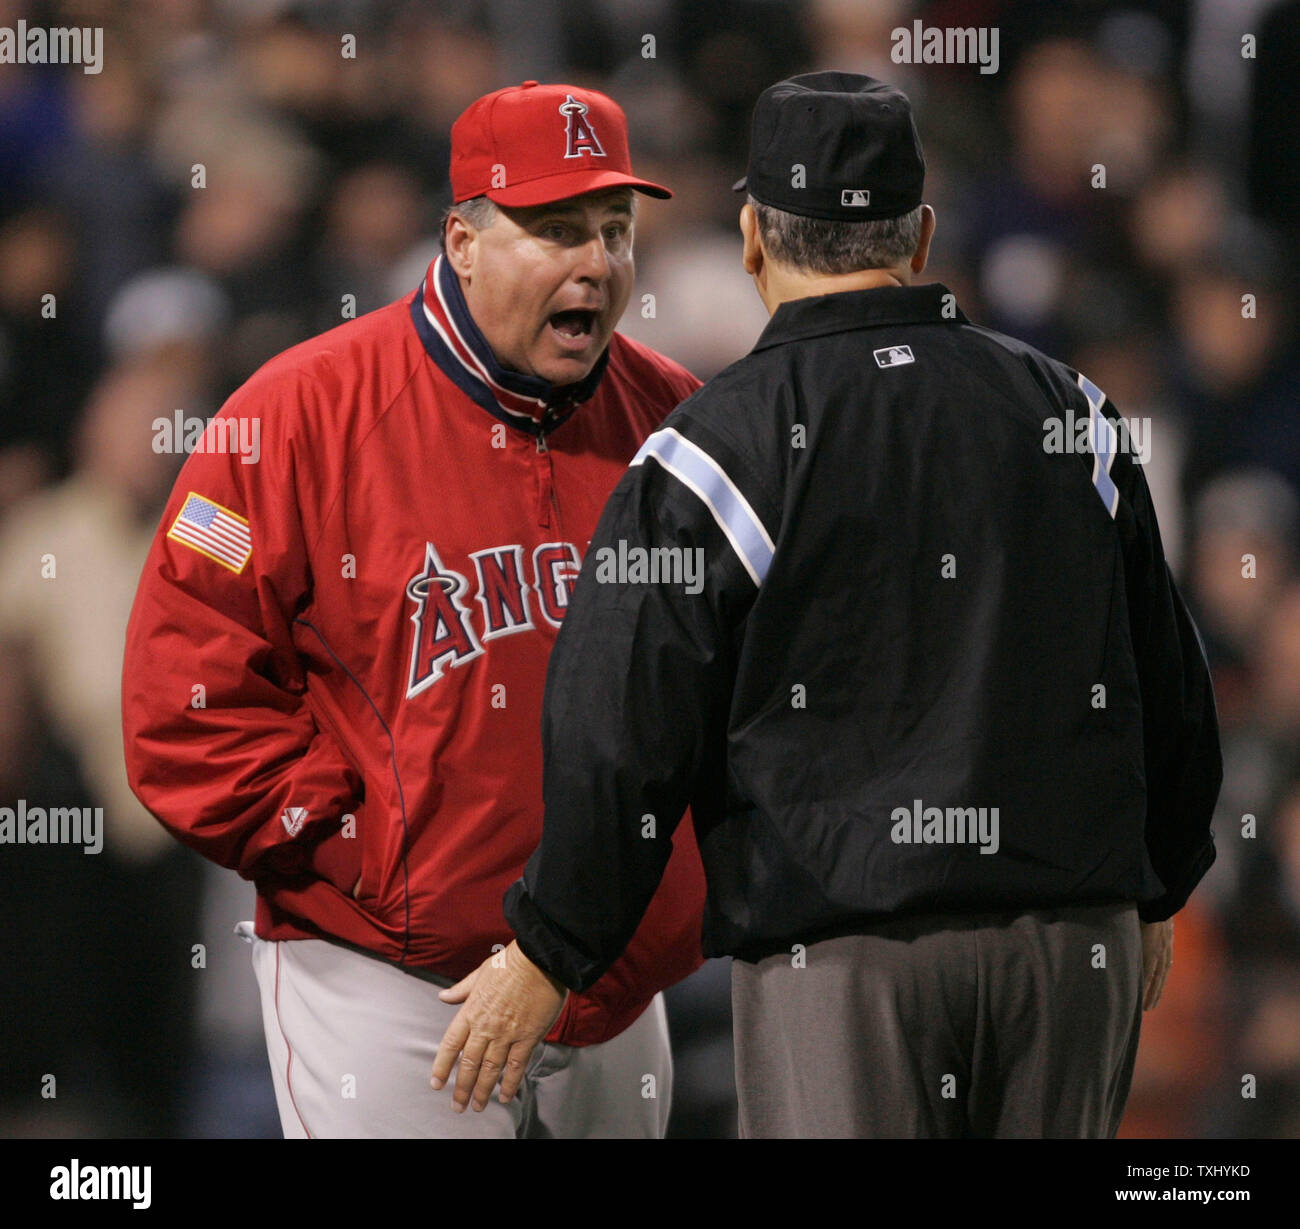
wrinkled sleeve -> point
(637, 695)
(220, 738)
(1182, 756)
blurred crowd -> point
(1122, 192)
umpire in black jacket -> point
(885, 603)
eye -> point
(554, 230)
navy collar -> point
(817, 315)
(453, 341)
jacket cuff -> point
(1164, 907)
(323, 786)
(543, 944)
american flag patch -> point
(214, 531)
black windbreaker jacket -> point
(933, 660)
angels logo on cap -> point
(506, 146)
(579, 135)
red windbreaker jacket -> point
(335, 662)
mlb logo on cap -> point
(531, 144)
(841, 128)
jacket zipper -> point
(544, 451)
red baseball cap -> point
(531, 144)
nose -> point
(593, 260)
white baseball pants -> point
(352, 1041)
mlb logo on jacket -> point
(893, 356)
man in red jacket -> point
(336, 657)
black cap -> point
(852, 135)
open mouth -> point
(575, 325)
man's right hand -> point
(1157, 957)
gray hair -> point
(822, 245)
(478, 211)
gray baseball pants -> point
(972, 1026)
(352, 1041)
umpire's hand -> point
(510, 1005)
(1157, 957)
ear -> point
(460, 237)
(922, 253)
(752, 256)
